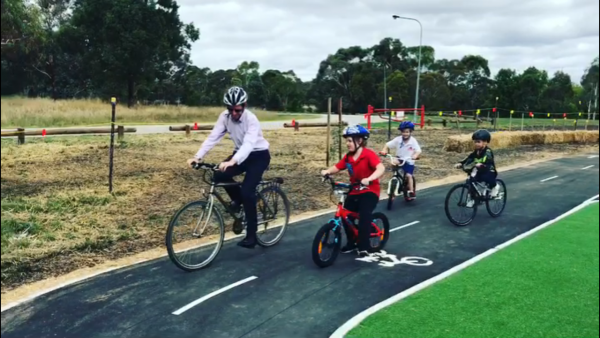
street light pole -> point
(419, 66)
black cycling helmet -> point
(482, 135)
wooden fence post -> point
(121, 133)
(21, 137)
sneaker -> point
(470, 203)
(496, 191)
(349, 248)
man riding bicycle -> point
(251, 156)
(407, 148)
(365, 169)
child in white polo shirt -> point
(407, 149)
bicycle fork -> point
(211, 203)
(389, 189)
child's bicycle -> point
(473, 194)
(329, 235)
(399, 180)
(202, 222)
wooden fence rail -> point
(297, 125)
(20, 133)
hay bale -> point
(503, 140)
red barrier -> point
(371, 111)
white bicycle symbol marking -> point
(390, 260)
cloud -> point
(297, 35)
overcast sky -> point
(299, 34)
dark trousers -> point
(488, 177)
(364, 204)
(254, 167)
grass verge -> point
(44, 113)
(57, 215)
(544, 286)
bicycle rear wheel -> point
(380, 223)
(499, 202)
(329, 236)
(407, 197)
(464, 196)
(195, 231)
(273, 216)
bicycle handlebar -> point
(467, 170)
(402, 160)
(205, 166)
(339, 184)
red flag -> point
(44, 133)
(565, 115)
(196, 126)
(460, 113)
(293, 123)
(494, 110)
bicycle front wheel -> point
(273, 216)
(460, 197)
(328, 238)
(392, 195)
(195, 236)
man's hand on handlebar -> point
(193, 161)
(458, 166)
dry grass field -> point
(45, 113)
(57, 215)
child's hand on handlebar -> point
(324, 173)
(458, 165)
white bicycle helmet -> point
(235, 96)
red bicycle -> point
(329, 235)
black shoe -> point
(349, 248)
(247, 243)
(238, 227)
(235, 207)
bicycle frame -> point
(212, 193)
(399, 176)
(474, 185)
(342, 215)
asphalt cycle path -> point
(279, 291)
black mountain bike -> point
(471, 195)
(203, 223)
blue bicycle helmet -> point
(407, 125)
(356, 131)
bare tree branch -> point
(43, 72)
(9, 41)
